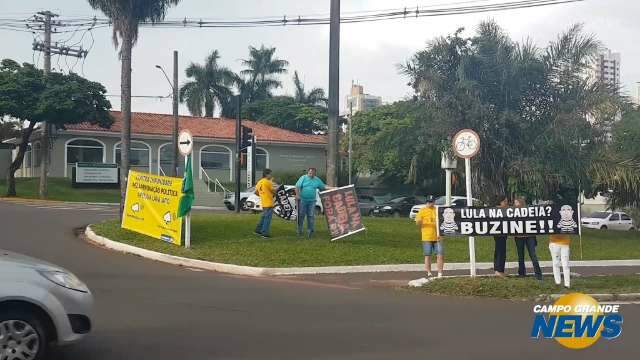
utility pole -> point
(44, 142)
(334, 92)
(175, 114)
(44, 18)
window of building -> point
(139, 154)
(84, 150)
(26, 160)
(262, 160)
(165, 157)
(37, 154)
(215, 158)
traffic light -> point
(246, 139)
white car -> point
(604, 220)
(230, 198)
(253, 201)
(456, 201)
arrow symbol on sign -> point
(185, 142)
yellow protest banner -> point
(151, 206)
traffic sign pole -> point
(466, 144)
(185, 146)
(472, 240)
(187, 218)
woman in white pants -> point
(559, 248)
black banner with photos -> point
(283, 207)
(530, 220)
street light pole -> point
(350, 141)
(174, 135)
(174, 132)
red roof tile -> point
(217, 128)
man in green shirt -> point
(306, 192)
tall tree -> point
(542, 122)
(210, 87)
(260, 68)
(626, 133)
(125, 15)
(8, 129)
(316, 96)
(27, 96)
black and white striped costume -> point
(449, 227)
(567, 225)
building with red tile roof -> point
(285, 152)
(201, 127)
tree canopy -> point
(284, 112)
(30, 97)
(260, 68)
(543, 123)
(9, 129)
(210, 86)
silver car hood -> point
(8, 258)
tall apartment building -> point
(636, 95)
(607, 68)
(359, 101)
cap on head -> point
(430, 199)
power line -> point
(72, 25)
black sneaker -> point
(257, 233)
(266, 236)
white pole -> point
(187, 231)
(472, 245)
(448, 187)
(187, 220)
(350, 145)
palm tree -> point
(315, 97)
(261, 65)
(125, 15)
(210, 86)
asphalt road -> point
(148, 310)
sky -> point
(369, 53)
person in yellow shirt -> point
(559, 248)
(431, 245)
(264, 189)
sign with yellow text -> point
(151, 206)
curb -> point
(262, 271)
(174, 260)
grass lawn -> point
(529, 288)
(229, 238)
(60, 189)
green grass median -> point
(530, 288)
(60, 189)
(229, 238)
